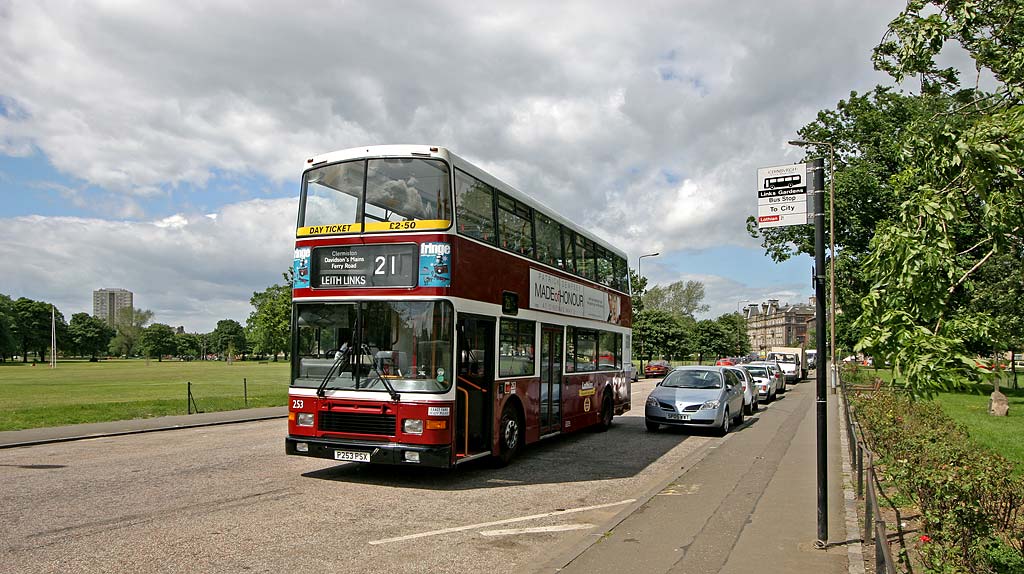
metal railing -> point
(868, 485)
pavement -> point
(747, 503)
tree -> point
(188, 345)
(128, 329)
(682, 298)
(659, 333)
(8, 344)
(268, 326)
(158, 339)
(712, 339)
(961, 193)
(89, 335)
(638, 286)
(228, 338)
(32, 327)
(734, 326)
(868, 133)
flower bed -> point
(969, 499)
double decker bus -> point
(440, 315)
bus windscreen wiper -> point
(344, 354)
(391, 390)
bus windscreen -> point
(390, 194)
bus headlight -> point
(412, 426)
(304, 419)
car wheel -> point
(726, 419)
(738, 419)
(757, 404)
(749, 409)
(511, 439)
(652, 426)
(771, 396)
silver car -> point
(696, 396)
(750, 393)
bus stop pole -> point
(816, 177)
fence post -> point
(879, 553)
(869, 501)
(188, 399)
(245, 391)
(860, 470)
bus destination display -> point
(353, 266)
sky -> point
(158, 146)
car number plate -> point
(352, 455)
(679, 417)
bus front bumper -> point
(350, 450)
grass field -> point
(82, 392)
(1001, 434)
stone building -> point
(772, 324)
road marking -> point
(537, 529)
(499, 522)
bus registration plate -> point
(354, 456)
(679, 417)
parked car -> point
(750, 394)
(724, 362)
(696, 396)
(780, 375)
(766, 382)
(777, 372)
(657, 369)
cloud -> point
(645, 125)
(189, 270)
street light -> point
(638, 276)
(832, 251)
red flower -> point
(925, 538)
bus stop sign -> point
(782, 196)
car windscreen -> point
(693, 379)
(784, 357)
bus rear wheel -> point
(511, 435)
(607, 412)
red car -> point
(725, 362)
(657, 369)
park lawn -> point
(83, 392)
(1001, 434)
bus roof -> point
(428, 151)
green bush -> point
(969, 497)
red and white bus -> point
(440, 316)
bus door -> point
(550, 378)
(474, 384)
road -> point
(227, 499)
